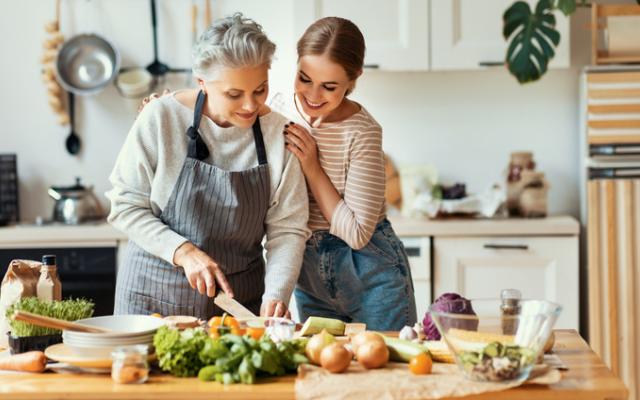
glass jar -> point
(519, 162)
(130, 364)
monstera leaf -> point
(533, 37)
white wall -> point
(464, 123)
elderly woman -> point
(202, 177)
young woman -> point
(202, 177)
(355, 267)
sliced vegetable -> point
(403, 350)
(315, 325)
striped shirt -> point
(350, 153)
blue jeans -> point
(371, 285)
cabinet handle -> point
(412, 251)
(491, 63)
(506, 246)
(371, 66)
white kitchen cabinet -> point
(419, 254)
(544, 267)
(396, 31)
(465, 34)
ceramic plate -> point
(62, 353)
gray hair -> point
(232, 42)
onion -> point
(315, 345)
(373, 354)
(363, 337)
(335, 358)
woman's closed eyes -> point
(304, 80)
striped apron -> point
(222, 213)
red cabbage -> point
(452, 303)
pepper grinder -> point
(510, 308)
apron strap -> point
(257, 137)
(197, 148)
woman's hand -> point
(274, 308)
(304, 147)
(152, 97)
(201, 271)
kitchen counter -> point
(556, 226)
(29, 235)
(90, 234)
(587, 378)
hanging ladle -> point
(73, 141)
(156, 68)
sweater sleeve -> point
(131, 178)
(287, 232)
(357, 214)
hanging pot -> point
(86, 64)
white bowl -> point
(121, 325)
(106, 342)
(100, 351)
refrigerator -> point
(610, 142)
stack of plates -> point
(128, 330)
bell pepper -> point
(225, 324)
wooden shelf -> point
(604, 58)
(599, 15)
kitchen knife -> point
(233, 307)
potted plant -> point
(532, 35)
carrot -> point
(32, 361)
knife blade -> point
(232, 306)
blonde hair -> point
(340, 39)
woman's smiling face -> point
(320, 85)
(236, 95)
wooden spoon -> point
(56, 323)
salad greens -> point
(227, 359)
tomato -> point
(255, 332)
(224, 324)
(421, 364)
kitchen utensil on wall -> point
(72, 143)
(134, 84)
(156, 68)
(75, 204)
(9, 205)
(86, 64)
(194, 36)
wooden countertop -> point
(550, 226)
(587, 378)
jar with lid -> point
(510, 310)
(520, 161)
(130, 364)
